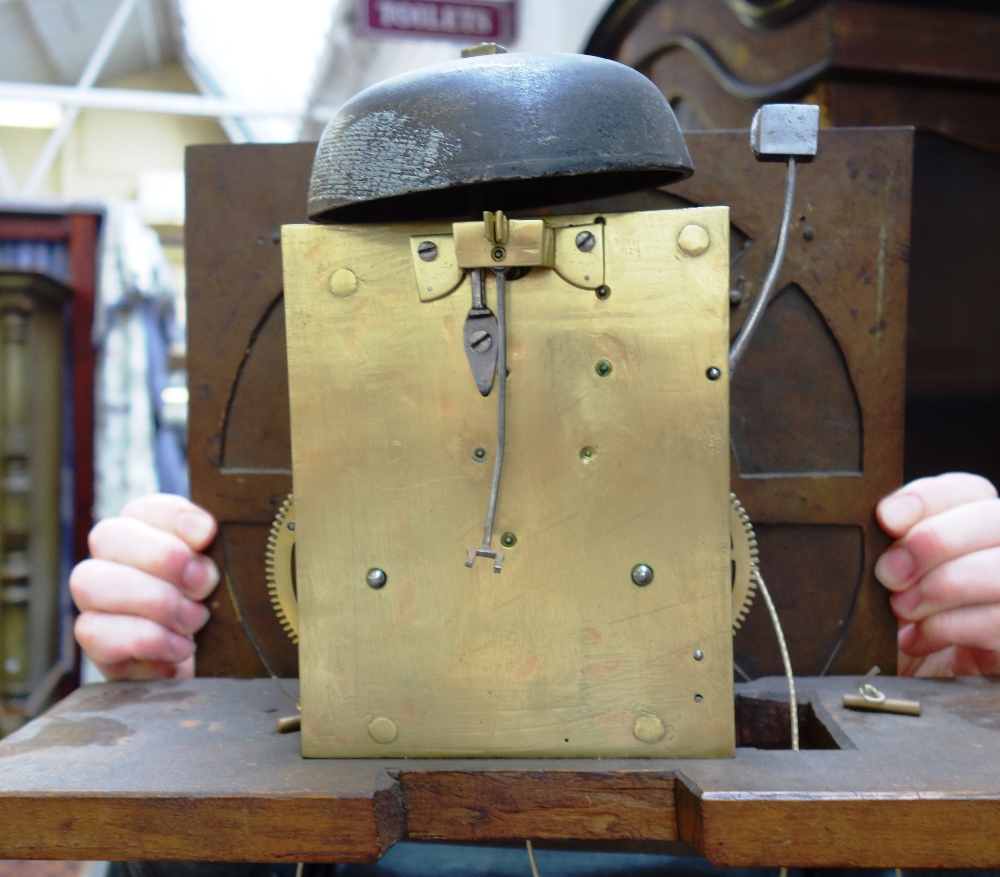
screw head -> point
(713, 373)
(603, 368)
(585, 241)
(479, 454)
(642, 574)
(603, 292)
(480, 341)
(809, 233)
(375, 578)
(427, 250)
(587, 453)
(508, 540)
(699, 655)
(498, 254)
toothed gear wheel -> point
(279, 567)
(744, 560)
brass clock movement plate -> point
(607, 630)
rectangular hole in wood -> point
(763, 722)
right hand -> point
(140, 593)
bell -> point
(510, 131)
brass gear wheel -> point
(280, 560)
(744, 560)
(279, 568)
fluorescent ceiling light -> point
(29, 114)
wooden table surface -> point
(196, 770)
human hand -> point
(139, 592)
(944, 572)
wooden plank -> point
(196, 771)
(544, 804)
(183, 771)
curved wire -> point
(757, 312)
(501, 403)
(793, 707)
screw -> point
(498, 254)
(698, 698)
(808, 233)
(479, 454)
(291, 526)
(603, 292)
(585, 241)
(427, 250)
(699, 655)
(603, 368)
(508, 540)
(642, 575)
(587, 453)
(375, 578)
(480, 341)
(713, 373)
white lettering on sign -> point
(434, 18)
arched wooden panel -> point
(779, 424)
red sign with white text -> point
(468, 21)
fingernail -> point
(894, 567)
(192, 616)
(901, 512)
(200, 576)
(195, 528)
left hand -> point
(944, 572)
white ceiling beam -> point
(99, 57)
(150, 35)
(137, 101)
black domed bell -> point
(501, 131)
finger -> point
(174, 514)
(969, 580)
(103, 586)
(974, 627)
(147, 670)
(926, 497)
(974, 526)
(112, 639)
(134, 543)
